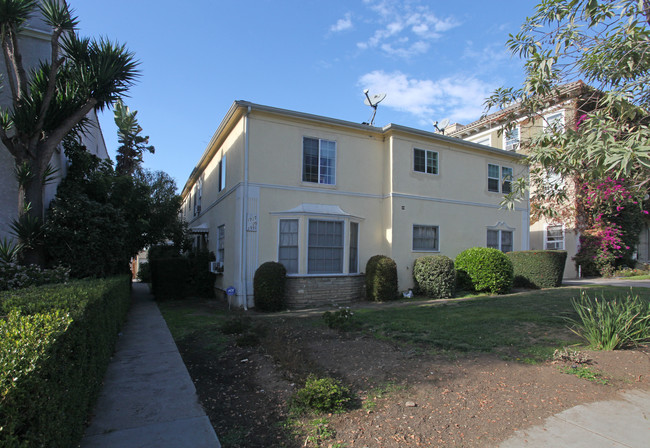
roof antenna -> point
(442, 126)
(373, 101)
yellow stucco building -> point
(322, 196)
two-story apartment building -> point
(322, 196)
(563, 110)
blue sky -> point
(434, 60)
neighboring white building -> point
(573, 100)
(322, 196)
(35, 45)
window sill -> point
(317, 185)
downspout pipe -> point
(244, 244)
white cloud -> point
(342, 24)
(399, 23)
(459, 98)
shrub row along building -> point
(322, 196)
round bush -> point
(381, 279)
(268, 286)
(435, 276)
(538, 268)
(484, 269)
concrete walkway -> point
(623, 423)
(148, 398)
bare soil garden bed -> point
(405, 396)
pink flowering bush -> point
(613, 217)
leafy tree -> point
(605, 150)
(100, 219)
(605, 43)
(53, 98)
(132, 144)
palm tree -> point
(53, 99)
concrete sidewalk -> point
(623, 423)
(148, 398)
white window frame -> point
(501, 179)
(548, 120)
(342, 246)
(221, 244)
(436, 239)
(426, 161)
(222, 173)
(500, 238)
(297, 220)
(561, 241)
(320, 176)
(508, 141)
(485, 140)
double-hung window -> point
(222, 173)
(325, 247)
(319, 161)
(555, 237)
(354, 248)
(221, 240)
(500, 239)
(425, 238)
(425, 161)
(554, 122)
(511, 139)
(288, 247)
(499, 178)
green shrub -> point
(321, 395)
(538, 268)
(485, 269)
(55, 345)
(435, 276)
(381, 279)
(201, 280)
(268, 286)
(612, 324)
(169, 277)
(144, 272)
(15, 276)
(343, 319)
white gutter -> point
(244, 245)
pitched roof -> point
(566, 91)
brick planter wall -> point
(308, 292)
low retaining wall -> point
(308, 292)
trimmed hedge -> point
(381, 279)
(484, 269)
(435, 276)
(55, 345)
(269, 285)
(538, 268)
(169, 277)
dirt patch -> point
(406, 398)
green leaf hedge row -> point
(538, 268)
(55, 344)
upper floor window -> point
(499, 178)
(425, 161)
(554, 122)
(222, 173)
(555, 237)
(487, 141)
(425, 238)
(511, 139)
(319, 161)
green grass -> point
(528, 325)
(191, 318)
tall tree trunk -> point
(34, 253)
